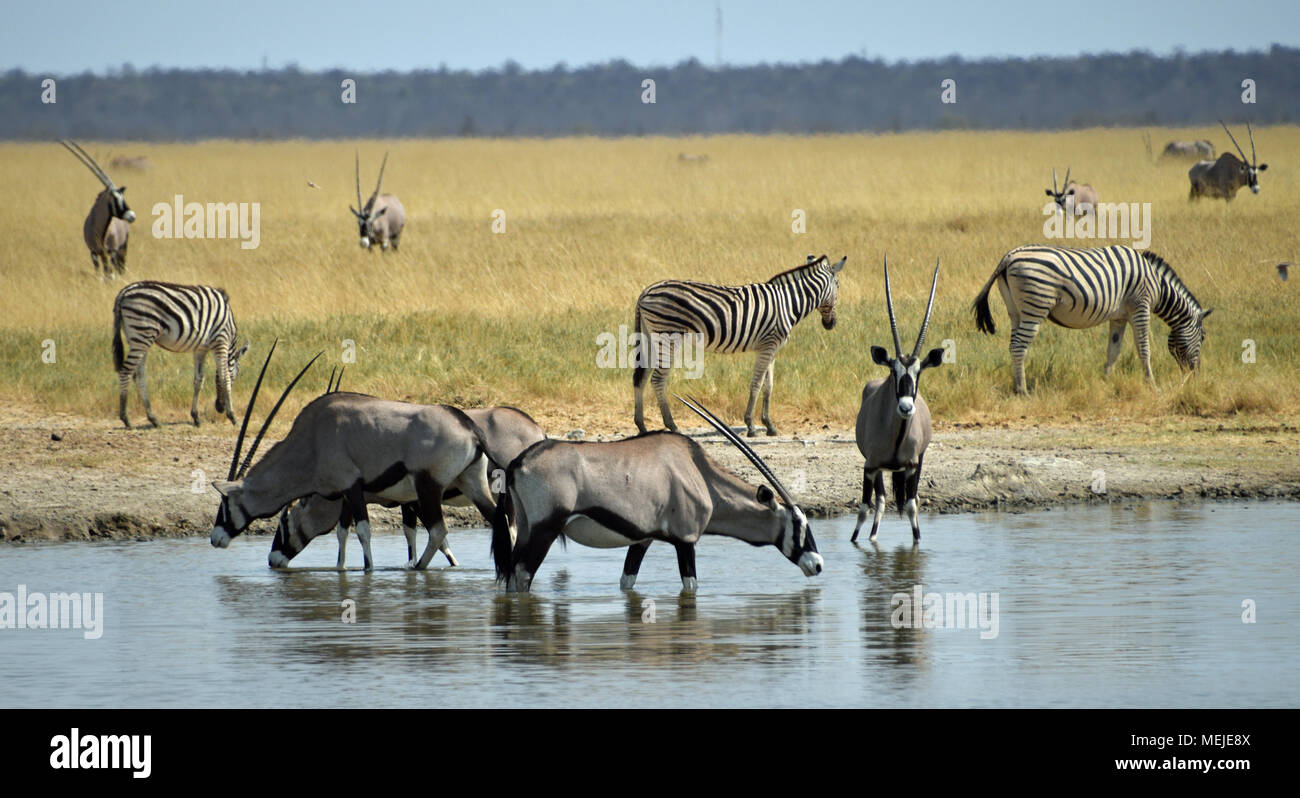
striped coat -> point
(179, 318)
(1080, 288)
(757, 317)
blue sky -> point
(70, 37)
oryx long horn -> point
(340, 379)
(89, 162)
(360, 207)
(920, 339)
(1066, 184)
(1251, 133)
(252, 450)
(329, 384)
(380, 181)
(1055, 190)
(717, 423)
(248, 411)
(889, 303)
(1234, 140)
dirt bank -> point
(72, 478)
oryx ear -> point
(839, 267)
(224, 487)
(355, 212)
(934, 359)
(1262, 167)
(766, 496)
(382, 211)
(879, 356)
(1048, 192)
(122, 189)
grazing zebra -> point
(1080, 288)
(745, 318)
(179, 318)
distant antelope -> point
(740, 318)
(139, 163)
(1188, 149)
(1081, 288)
(179, 318)
(107, 225)
(1075, 199)
(382, 217)
(692, 157)
(1222, 179)
(893, 427)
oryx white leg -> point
(198, 384)
(880, 504)
(632, 564)
(1115, 342)
(341, 532)
(868, 480)
(363, 535)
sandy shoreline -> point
(98, 481)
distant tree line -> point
(851, 95)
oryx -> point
(382, 217)
(506, 432)
(1074, 198)
(1188, 149)
(893, 428)
(106, 227)
(1222, 179)
(344, 445)
(655, 486)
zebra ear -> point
(837, 268)
(1206, 313)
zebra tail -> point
(501, 547)
(119, 356)
(983, 318)
(638, 371)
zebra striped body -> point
(747, 318)
(179, 318)
(1080, 288)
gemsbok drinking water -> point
(655, 486)
(893, 427)
(382, 217)
(1081, 288)
(107, 226)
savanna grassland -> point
(468, 316)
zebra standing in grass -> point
(179, 318)
(1080, 288)
(745, 318)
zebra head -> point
(1185, 340)
(1246, 173)
(830, 275)
(906, 369)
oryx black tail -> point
(502, 546)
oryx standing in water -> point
(1222, 179)
(345, 445)
(1076, 199)
(893, 428)
(107, 225)
(506, 432)
(382, 217)
(655, 486)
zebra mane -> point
(1168, 276)
(822, 261)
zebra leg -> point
(659, 379)
(142, 385)
(880, 505)
(868, 479)
(221, 354)
(1116, 341)
(632, 564)
(1021, 337)
(761, 364)
(1142, 338)
(198, 383)
(767, 400)
(123, 386)
(686, 565)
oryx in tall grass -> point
(1081, 288)
(655, 486)
(1222, 179)
(506, 432)
(893, 428)
(757, 317)
(107, 226)
(345, 445)
(1075, 199)
(179, 318)
(1188, 149)
(382, 217)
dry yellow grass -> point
(465, 315)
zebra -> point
(1080, 288)
(746, 318)
(179, 318)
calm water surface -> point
(1126, 605)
